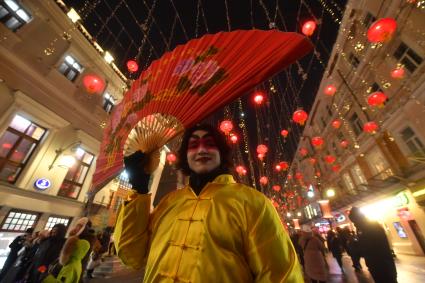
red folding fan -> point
(186, 85)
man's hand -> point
(134, 166)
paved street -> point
(411, 269)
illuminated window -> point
(348, 182)
(409, 58)
(368, 19)
(358, 176)
(19, 221)
(76, 175)
(416, 147)
(379, 166)
(70, 68)
(53, 220)
(354, 60)
(13, 15)
(17, 144)
(108, 102)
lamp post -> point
(61, 150)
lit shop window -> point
(409, 58)
(16, 146)
(358, 176)
(13, 15)
(76, 175)
(108, 102)
(53, 220)
(416, 147)
(18, 221)
(70, 68)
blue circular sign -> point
(42, 184)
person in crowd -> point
(353, 250)
(16, 245)
(343, 234)
(213, 230)
(374, 248)
(295, 238)
(111, 248)
(315, 264)
(335, 247)
(95, 256)
(85, 231)
(48, 251)
(71, 256)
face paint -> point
(203, 155)
(206, 142)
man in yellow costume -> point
(213, 230)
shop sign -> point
(42, 184)
(340, 217)
(400, 199)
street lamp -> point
(66, 161)
(330, 193)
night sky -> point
(146, 29)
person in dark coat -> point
(374, 248)
(48, 251)
(335, 247)
(353, 249)
(16, 245)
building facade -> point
(381, 171)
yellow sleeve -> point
(271, 255)
(131, 234)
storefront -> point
(403, 220)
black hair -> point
(29, 231)
(220, 140)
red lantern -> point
(317, 142)
(330, 159)
(258, 97)
(318, 174)
(278, 168)
(276, 188)
(7, 145)
(289, 177)
(377, 99)
(336, 123)
(284, 133)
(312, 161)
(370, 127)
(330, 90)
(261, 148)
(226, 126)
(234, 138)
(308, 28)
(343, 144)
(284, 165)
(260, 156)
(303, 151)
(398, 73)
(382, 30)
(132, 66)
(93, 84)
(300, 116)
(171, 158)
(241, 170)
(264, 180)
(336, 167)
(298, 175)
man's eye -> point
(193, 144)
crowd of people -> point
(369, 241)
(49, 256)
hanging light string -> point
(229, 28)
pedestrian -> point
(73, 252)
(335, 247)
(95, 256)
(315, 264)
(16, 245)
(48, 251)
(353, 250)
(295, 238)
(212, 230)
(374, 248)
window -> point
(348, 182)
(358, 176)
(53, 220)
(323, 120)
(378, 165)
(70, 68)
(416, 147)
(19, 220)
(368, 19)
(409, 58)
(374, 87)
(76, 175)
(354, 61)
(13, 15)
(356, 124)
(108, 102)
(17, 144)
(328, 108)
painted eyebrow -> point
(207, 135)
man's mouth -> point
(203, 159)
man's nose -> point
(202, 148)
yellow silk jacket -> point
(229, 233)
